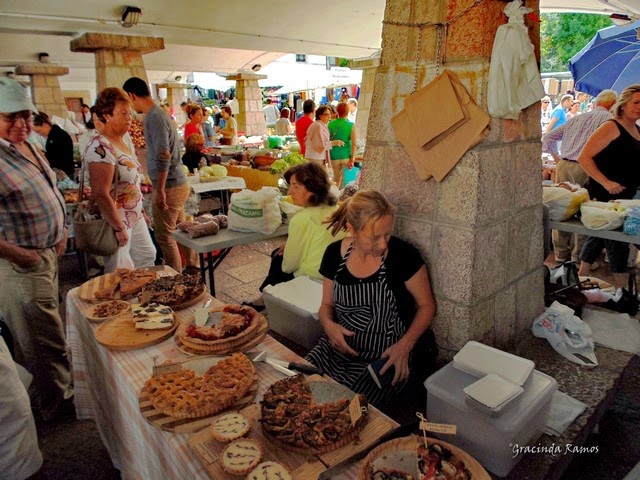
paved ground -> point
(73, 450)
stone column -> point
(251, 117)
(480, 229)
(45, 87)
(118, 57)
(369, 67)
(176, 94)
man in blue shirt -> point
(559, 114)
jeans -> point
(165, 221)
(618, 252)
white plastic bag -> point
(251, 211)
(602, 215)
(563, 204)
(567, 334)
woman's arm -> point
(230, 128)
(420, 288)
(598, 141)
(101, 179)
(354, 147)
(296, 242)
(334, 331)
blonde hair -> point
(624, 98)
(364, 207)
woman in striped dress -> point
(376, 301)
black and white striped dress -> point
(368, 308)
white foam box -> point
(490, 440)
(292, 309)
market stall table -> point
(254, 178)
(107, 384)
(222, 185)
(222, 242)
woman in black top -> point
(611, 157)
(376, 302)
(59, 147)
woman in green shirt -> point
(342, 129)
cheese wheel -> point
(229, 427)
(241, 456)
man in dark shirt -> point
(59, 147)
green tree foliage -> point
(562, 35)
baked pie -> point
(184, 394)
(241, 456)
(269, 471)
(174, 290)
(290, 415)
(128, 282)
(236, 322)
(438, 462)
(229, 426)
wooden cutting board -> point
(120, 333)
(245, 345)
(300, 465)
(88, 289)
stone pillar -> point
(369, 67)
(45, 87)
(118, 57)
(176, 94)
(251, 117)
(480, 229)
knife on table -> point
(401, 431)
(263, 356)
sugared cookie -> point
(241, 456)
(269, 471)
(229, 427)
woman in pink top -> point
(318, 142)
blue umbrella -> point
(610, 60)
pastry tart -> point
(229, 426)
(241, 456)
(269, 471)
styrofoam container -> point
(479, 360)
(292, 309)
(491, 440)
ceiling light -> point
(178, 78)
(620, 19)
(256, 67)
(130, 16)
(43, 57)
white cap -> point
(14, 97)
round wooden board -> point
(248, 343)
(121, 334)
(87, 289)
(92, 318)
(187, 425)
(410, 444)
(191, 301)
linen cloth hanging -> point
(514, 78)
(438, 124)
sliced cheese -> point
(155, 323)
(269, 471)
(150, 310)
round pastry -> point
(269, 471)
(229, 427)
(241, 456)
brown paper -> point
(438, 156)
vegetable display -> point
(213, 171)
(280, 165)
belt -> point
(569, 160)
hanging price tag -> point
(444, 428)
(164, 369)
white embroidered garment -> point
(514, 78)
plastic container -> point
(491, 440)
(492, 394)
(479, 360)
(350, 175)
(293, 307)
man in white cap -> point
(32, 237)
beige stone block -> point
(530, 118)
(395, 43)
(398, 11)
(419, 234)
(528, 186)
(403, 188)
(451, 326)
(38, 81)
(524, 246)
(427, 12)
(495, 132)
(489, 266)
(40, 69)
(505, 317)
(58, 97)
(458, 194)
(495, 182)
(43, 95)
(529, 301)
(373, 168)
(392, 87)
(455, 256)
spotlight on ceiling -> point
(10, 74)
(43, 57)
(130, 16)
(620, 19)
(178, 78)
(256, 67)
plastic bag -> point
(255, 211)
(632, 221)
(563, 204)
(568, 335)
(602, 215)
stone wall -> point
(480, 229)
